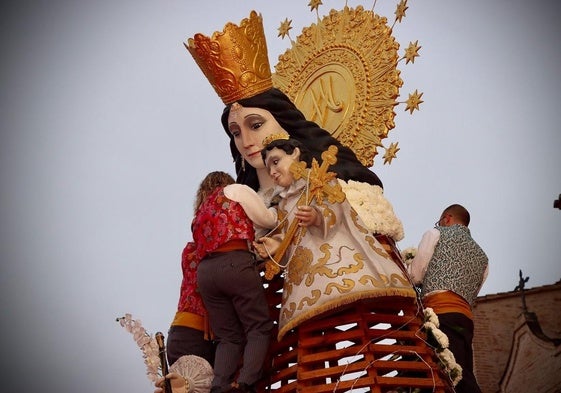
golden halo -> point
(341, 72)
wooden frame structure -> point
(373, 345)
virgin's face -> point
(249, 126)
(278, 164)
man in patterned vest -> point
(450, 267)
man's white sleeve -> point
(419, 265)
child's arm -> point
(253, 205)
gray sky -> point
(108, 126)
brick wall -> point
(495, 318)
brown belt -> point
(232, 245)
(194, 321)
(446, 302)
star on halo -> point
(284, 28)
(414, 101)
(314, 4)
(391, 153)
(411, 52)
(400, 10)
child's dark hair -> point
(288, 145)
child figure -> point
(332, 259)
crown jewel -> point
(275, 137)
(235, 61)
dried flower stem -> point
(146, 343)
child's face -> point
(278, 164)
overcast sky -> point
(107, 127)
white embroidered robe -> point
(334, 265)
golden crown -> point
(275, 137)
(235, 61)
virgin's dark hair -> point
(311, 135)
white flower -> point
(429, 326)
(146, 343)
(445, 356)
(431, 316)
(440, 337)
(449, 362)
(373, 208)
(408, 254)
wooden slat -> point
(353, 342)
